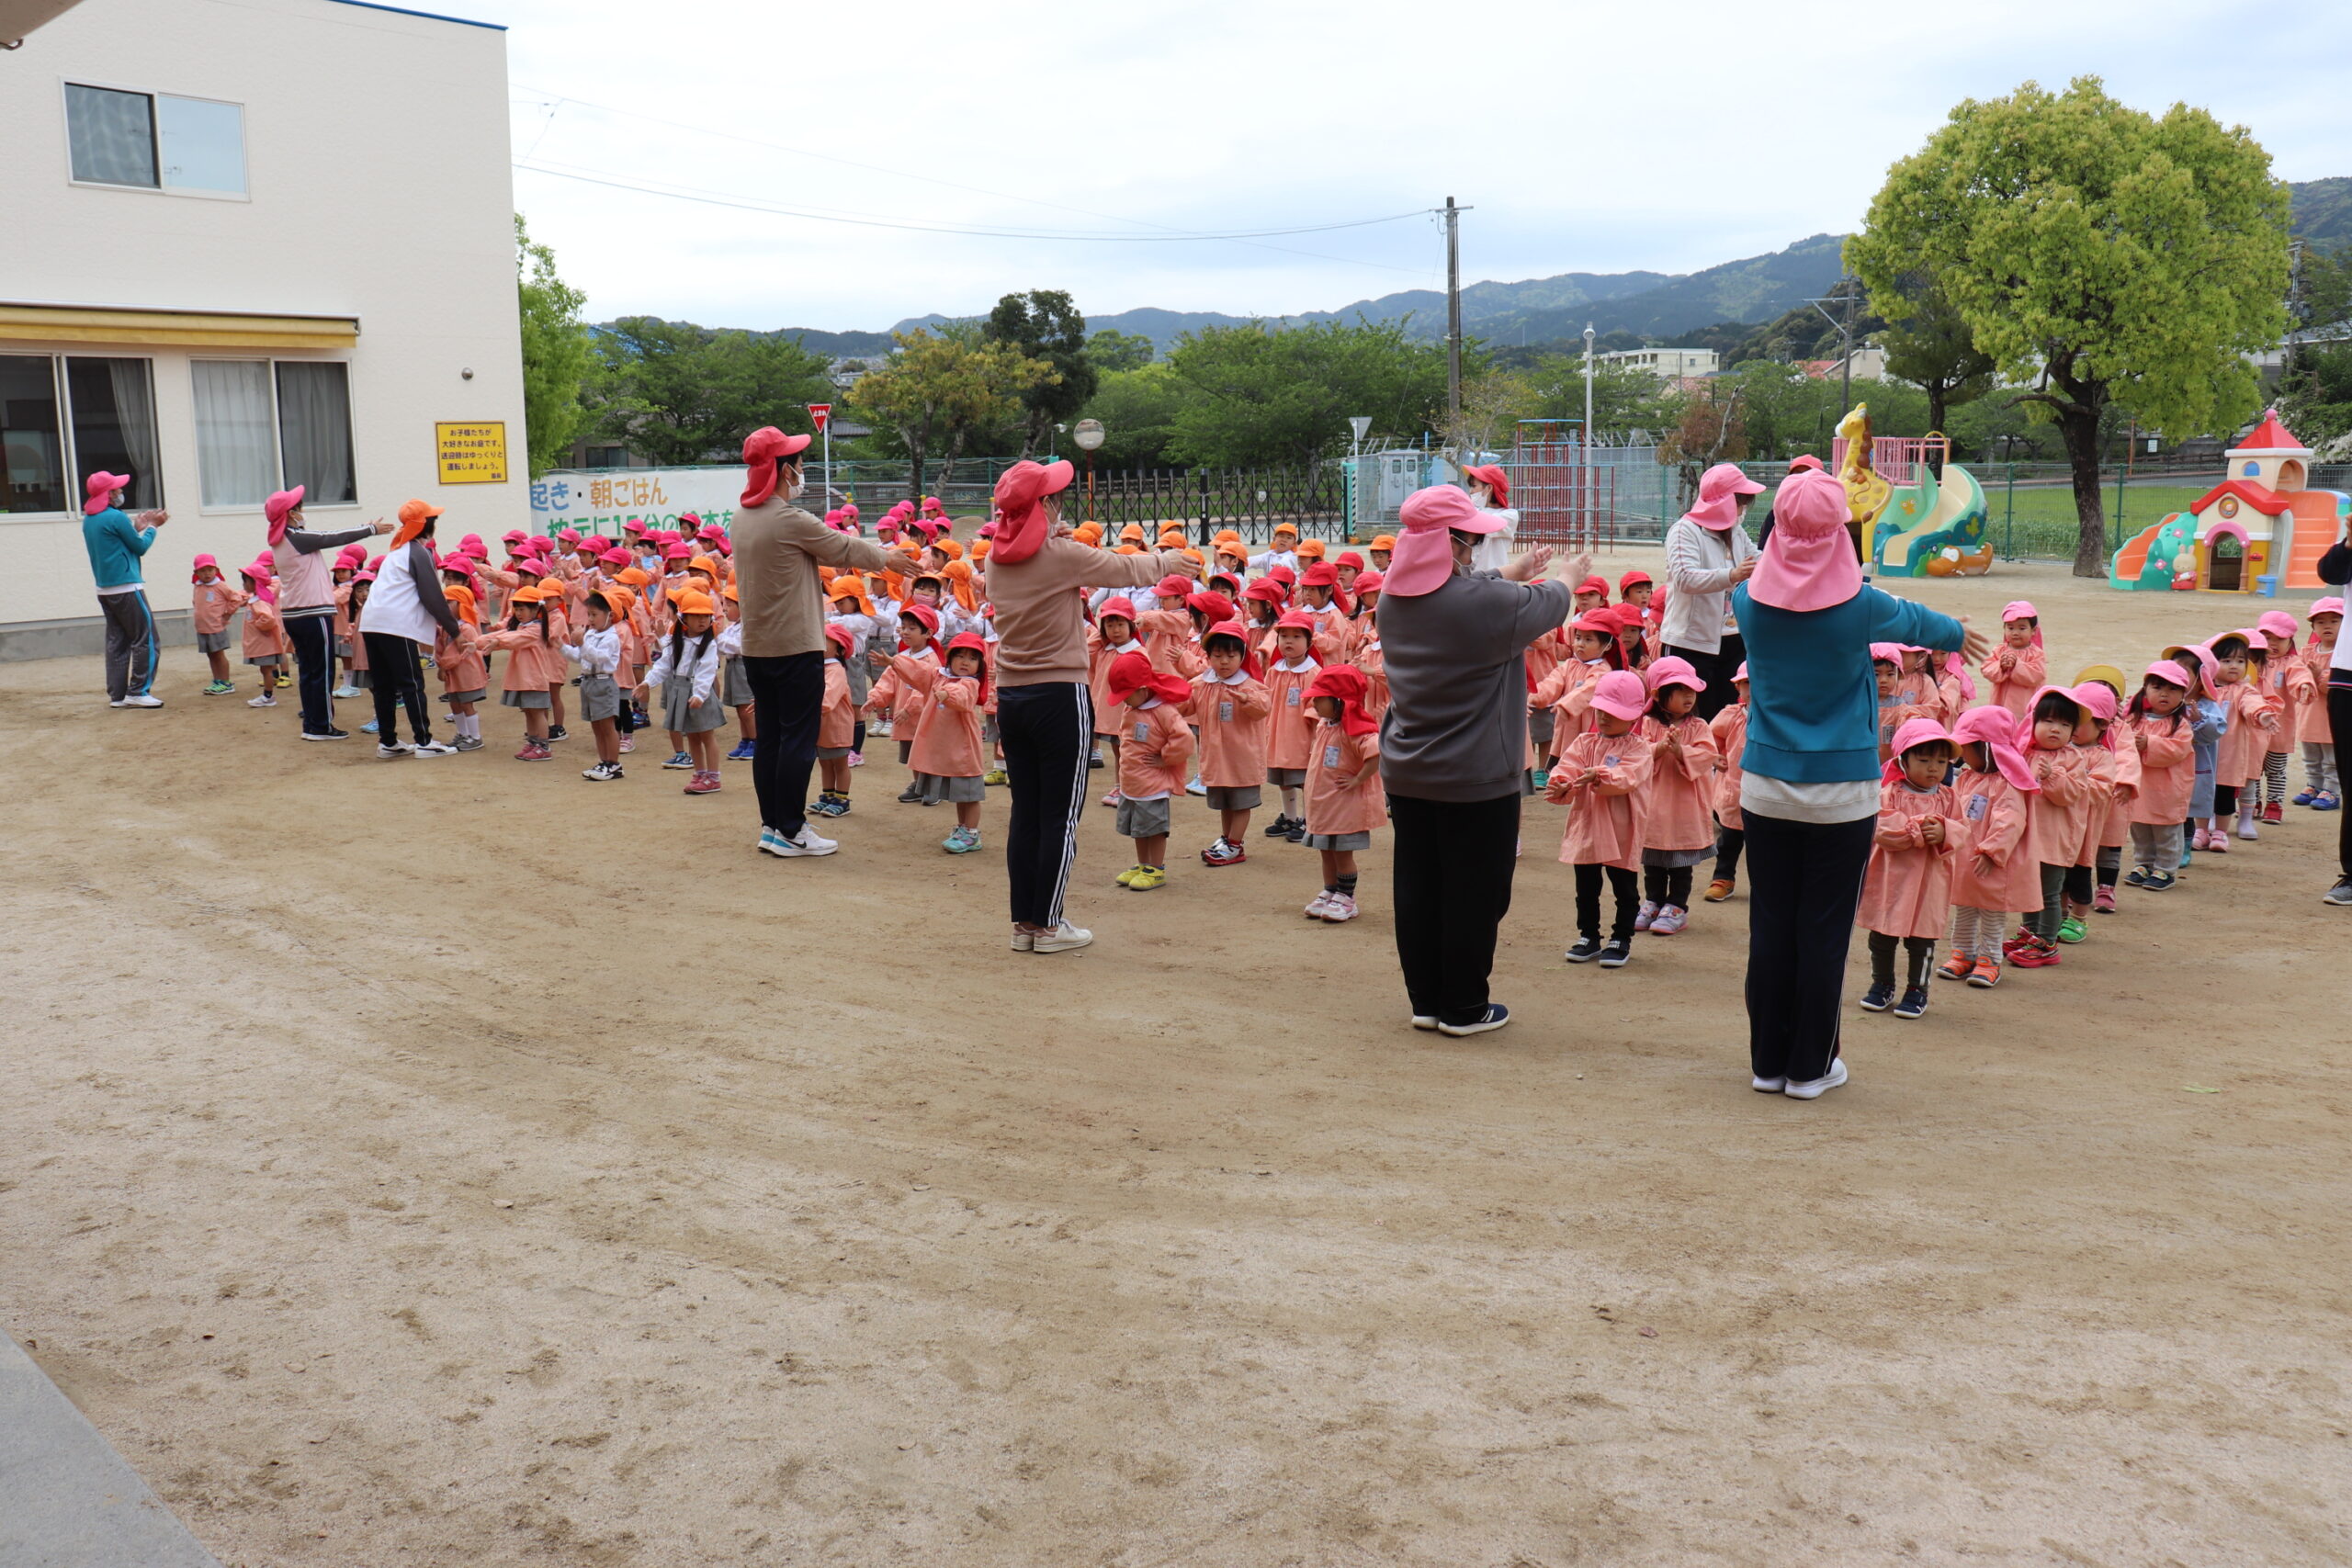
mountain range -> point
(1556, 309)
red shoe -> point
(2035, 954)
(703, 784)
(533, 751)
(2275, 812)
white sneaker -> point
(1818, 1087)
(1023, 941)
(1320, 906)
(1063, 938)
(143, 700)
(1196, 786)
(1768, 1086)
(1338, 910)
(264, 701)
(1425, 1021)
(801, 844)
(436, 749)
(394, 749)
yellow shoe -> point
(1127, 877)
(995, 776)
(1146, 877)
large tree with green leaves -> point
(937, 388)
(676, 393)
(2099, 255)
(1262, 395)
(1044, 327)
(556, 354)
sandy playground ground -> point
(453, 1162)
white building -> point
(244, 246)
(1665, 362)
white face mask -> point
(794, 492)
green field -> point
(2038, 521)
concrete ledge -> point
(80, 635)
(67, 1500)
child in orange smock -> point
(1113, 634)
(917, 625)
(216, 602)
(265, 639)
(534, 659)
(1289, 726)
(2061, 812)
(1229, 709)
(1599, 778)
(465, 673)
(1994, 870)
(836, 722)
(1155, 749)
(1678, 817)
(1908, 890)
(1344, 799)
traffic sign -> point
(822, 413)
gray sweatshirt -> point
(1456, 726)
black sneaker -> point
(1913, 1002)
(1278, 828)
(328, 733)
(1297, 834)
(2340, 895)
(1617, 954)
(2136, 877)
(1093, 760)
(1879, 996)
(559, 733)
(1586, 949)
(1494, 1017)
(910, 796)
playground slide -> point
(1950, 508)
(2133, 558)
(2317, 513)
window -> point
(108, 422)
(155, 141)
(314, 430)
(261, 424)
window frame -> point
(69, 448)
(155, 138)
(278, 430)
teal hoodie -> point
(115, 544)
(1812, 699)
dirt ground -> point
(453, 1162)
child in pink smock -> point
(1344, 798)
(1730, 727)
(947, 755)
(2060, 815)
(1679, 816)
(265, 639)
(1908, 890)
(2018, 667)
(1994, 870)
(836, 723)
(2114, 780)
(1600, 777)
(2253, 718)
(1155, 749)
(1290, 725)
(2159, 732)
(2291, 690)
(1113, 634)
(2323, 791)
(216, 602)
(1229, 710)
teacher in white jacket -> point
(1707, 554)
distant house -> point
(1665, 362)
(1869, 365)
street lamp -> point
(1089, 436)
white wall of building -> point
(1665, 362)
(378, 187)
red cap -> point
(1121, 606)
(1296, 621)
(761, 450)
(924, 616)
(1172, 586)
(1322, 574)
(1632, 579)
(1594, 585)
(1345, 685)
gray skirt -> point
(960, 790)
(861, 680)
(535, 698)
(678, 712)
(454, 698)
(1336, 842)
(600, 697)
(342, 647)
(212, 642)
(734, 686)
(1671, 859)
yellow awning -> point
(188, 329)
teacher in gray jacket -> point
(1453, 746)
(1708, 554)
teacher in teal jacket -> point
(1810, 774)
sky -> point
(1103, 137)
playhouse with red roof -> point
(2261, 529)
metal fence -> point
(1311, 497)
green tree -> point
(936, 389)
(2099, 255)
(676, 393)
(1929, 344)
(1111, 350)
(1264, 396)
(1044, 327)
(1138, 411)
(556, 354)
(1625, 397)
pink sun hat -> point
(100, 488)
(1721, 489)
(1423, 558)
(2331, 605)
(1992, 728)
(1620, 693)
(1672, 670)
(1911, 732)
(1808, 563)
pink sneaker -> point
(1647, 913)
(533, 751)
(702, 783)
(2217, 841)
(1670, 921)
(857, 759)
(1113, 798)
(628, 744)
(1321, 907)
(1338, 908)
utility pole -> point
(1591, 480)
(1453, 318)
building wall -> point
(377, 168)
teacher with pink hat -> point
(1708, 554)
(1453, 744)
(1809, 785)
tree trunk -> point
(1937, 392)
(918, 441)
(2078, 425)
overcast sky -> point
(1588, 139)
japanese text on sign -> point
(470, 454)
